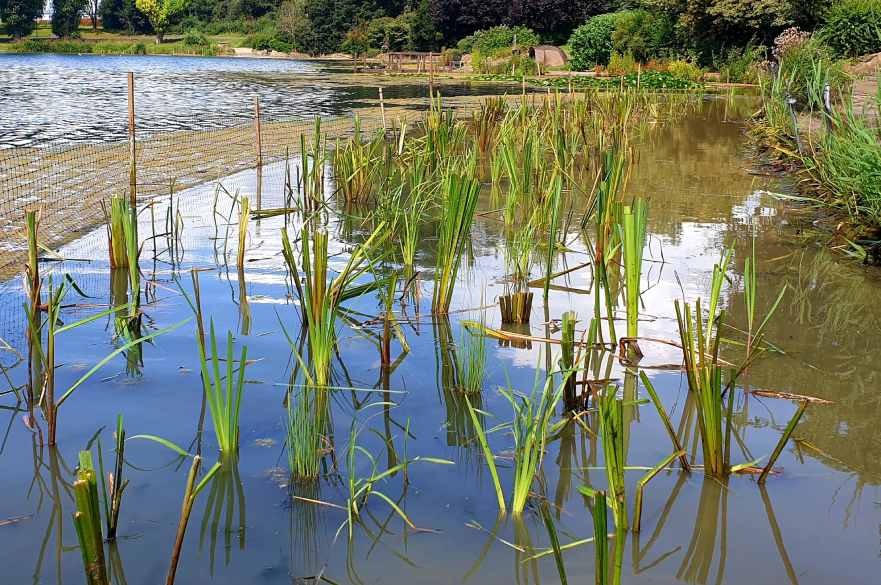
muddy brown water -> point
(816, 522)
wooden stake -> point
(259, 143)
(132, 145)
(382, 109)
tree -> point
(66, 16)
(160, 13)
(332, 19)
(123, 16)
(424, 35)
(294, 23)
(92, 8)
(18, 16)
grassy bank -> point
(102, 42)
(832, 145)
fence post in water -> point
(259, 143)
(132, 148)
(382, 110)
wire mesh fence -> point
(69, 183)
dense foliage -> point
(66, 16)
(17, 16)
(853, 27)
(498, 37)
(123, 16)
(591, 43)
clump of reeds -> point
(122, 233)
(472, 362)
(530, 427)
(358, 165)
(459, 194)
(305, 430)
(87, 520)
(223, 392)
(516, 303)
(320, 299)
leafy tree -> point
(554, 20)
(160, 13)
(92, 7)
(332, 19)
(424, 35)
(707, 26)
(123, 16)
(591, 44)
(456, 19)
(294, 24)
(18, 16)
(643, 34)
(66, 16)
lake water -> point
(817, 522)
(50, 100)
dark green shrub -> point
(591, 43)
(853, 27)
(195, 38)
(643, 34)
(498, 37)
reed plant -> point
(359, 165)
(701, 353)
(516, 303)
(612, 431)
(32, 222)
(193, 488)
(411, 219)
(460, 194)
(320, 299)
(313, 158)
(121, 232)
(530, 427)
(634, 233)
(46, 351)
(112, 484)
(599, 503)
(472, 363)
(361, 488)
(87, 520)
(305, 431)
(244, 216)
(223, 391)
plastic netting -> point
(69, 182)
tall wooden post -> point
(259, 144)
(382, 110)
(132, 145)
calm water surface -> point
(815, 523)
